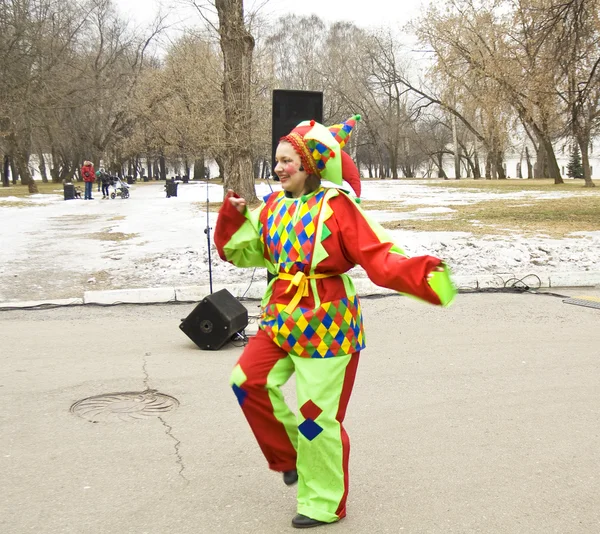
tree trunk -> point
(162, 165)
(440, 165)
(408, 171)
(498, 161)
(14, 171)
(476, 166)
(456, 149)
(529, 165)
(54, 167)
(221, 165)
(67, 172)
(42, 166)
(149, 167)
(199, 169)
(553, 169)
(266, 169)
(393, 153)
(26, 178)
(488, 167)
(540, 167)
(585, 162)
(546, 165)
(186, 167)
(237, 46)
(6, 171)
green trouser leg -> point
(323, 388)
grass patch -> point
(23, 191)
(110, 236)
(555, 218)
(101, 277)
(73, 220)
(511, 185)
(118, 218)
(393, 205)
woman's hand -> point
(238, 203)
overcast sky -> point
(361, 12)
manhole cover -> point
(129, 406)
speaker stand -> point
(207, 232)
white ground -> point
(50, 248)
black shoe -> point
(290, 477)
(302, 521)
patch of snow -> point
(149, 240)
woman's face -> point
(287, 169)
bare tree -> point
(504, 43)
(237, 46)
(578, 52)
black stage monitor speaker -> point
(291, 108)
(215, 320)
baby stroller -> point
(121, 188)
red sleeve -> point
(229, 222)
(363, 246)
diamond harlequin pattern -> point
(239, 393)
(291, 229)
(332, 329)
(309, 429)
(310, 410)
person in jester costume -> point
(308, 236)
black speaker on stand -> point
(290, 108)
(215, 320)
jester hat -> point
(320, 150)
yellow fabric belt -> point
(300, 280)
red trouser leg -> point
(256, 380)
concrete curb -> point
(254, 291)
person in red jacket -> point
(308, 236)
(88, 175)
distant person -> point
(98, 175)
(87, 173)
(106, 182)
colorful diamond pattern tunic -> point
(330, 329)
(311, 308)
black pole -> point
(207, 232)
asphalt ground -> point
(484, 417)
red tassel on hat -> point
(350, 173)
